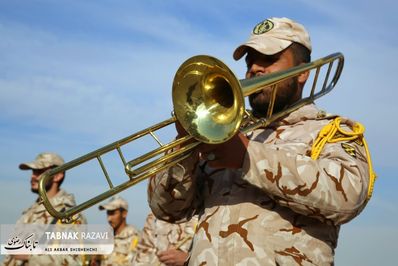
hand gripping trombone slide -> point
(209, 103)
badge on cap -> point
(263, 27)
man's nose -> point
(256, 70)
(35, 177)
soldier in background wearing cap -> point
(278, 195)
(164, 243)
(37, 213)
(126, 236)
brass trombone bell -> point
(207, 99)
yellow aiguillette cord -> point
(327, 134)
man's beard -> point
(48, 186)
(115, 225)
(260, 101)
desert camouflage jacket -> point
(281, 208)
(159, 235)
(125, 247)
(39, 215)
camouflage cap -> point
(115, 203)
(43, 160)
(273, 35)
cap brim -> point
(240, 51)
(107, 207)
(101, 208)
(27, 166)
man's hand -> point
(229, 154)
(173, 257)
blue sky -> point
(76, 75)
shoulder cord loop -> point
(328, 134)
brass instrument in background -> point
(208, 101)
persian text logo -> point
(28, 243)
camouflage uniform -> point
(38, 214)
(125, 248)
(281, 207)
(160, 236)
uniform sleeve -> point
(333, 188)
(172, 194)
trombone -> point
(209, 103)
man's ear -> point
(58, 177)
(302, 78)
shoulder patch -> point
(263, 27)
(349, 149)
(359, 141)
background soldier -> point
(126, 236)
(37, 214)
(164, 243)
